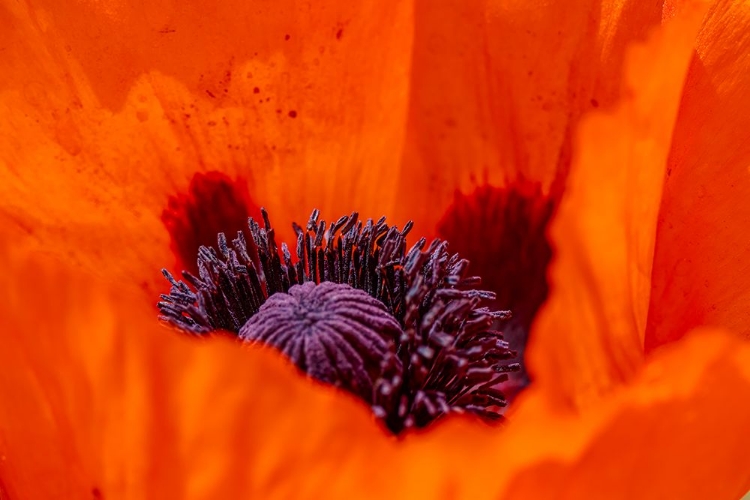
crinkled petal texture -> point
(108, 108)
(589, 335)
(701, 270)
(498, 88)
(99, 402)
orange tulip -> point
(639, 356)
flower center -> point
(502, 231)
(403, 330)
(336, 333)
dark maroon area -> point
(213, 203)
(441, 354)
(501, 231)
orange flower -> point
(107, 111)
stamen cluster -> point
(446, 358)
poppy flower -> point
(638, 356)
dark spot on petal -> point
(292, 114)
(339, 33)
(501, 231)
(595, 103)
(256, 90)
(96, 493)
(287, 37)
(214, 203)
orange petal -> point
(99, 402)
(701, 271)
(678, 432)
(498, 87)
(108, 109)
(589, 334)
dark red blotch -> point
(502, 232)
(214, 203)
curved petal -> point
(701, 271)
(498, 86)
(107, 109)
(676, 432)
(497, 89)
(588, 335)
(99, 402)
